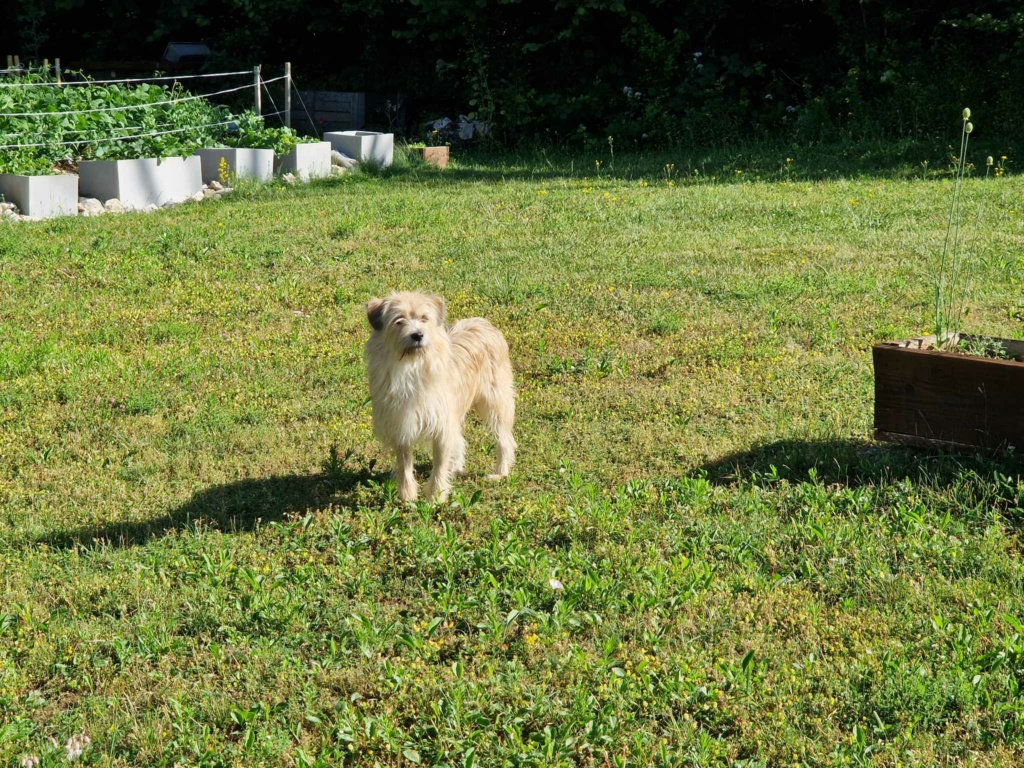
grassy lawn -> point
(202, 561)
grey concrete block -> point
(41, 197)
(242, 163)
(307, 161)
(364, 146)
(141, 183)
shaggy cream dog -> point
(425, 378)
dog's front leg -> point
(441, 474)
(405, 479)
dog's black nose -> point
(416, 336)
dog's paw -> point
(494, 476)
(435, 495)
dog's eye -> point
(425, 319)
(399, 321)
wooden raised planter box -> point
(927, 397)
(433, 155)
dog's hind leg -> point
(405, 478)
(497, 409)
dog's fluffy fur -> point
(425, 378)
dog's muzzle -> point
(414, 344)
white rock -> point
(150, 208)
(225, 190)
(288, 178)
(342, 160)
(198, 197)
(90, 206)
(113, 205)
(215, 185)
(338, 170)
(208, 193)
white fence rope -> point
(134, 106)
(50, 84)
(93, 130)
(272, 102)
(123, 138)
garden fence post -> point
(256, 88)
(56, 66)
(17, 62)
(288, 94)
(10, 61)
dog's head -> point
(408, 323)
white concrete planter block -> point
(364, 146)
(140, 183)
(307, 161)
(42, 197)
(242, 163)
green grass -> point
(202, 562)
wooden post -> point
(10, 61)
(288, 94)
(56, 66)
(17, 62)
(256, 88)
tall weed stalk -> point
(954, 267)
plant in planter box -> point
(951, 387)
(250, 132)
(433, 149)
(32, 183)
(246, 150)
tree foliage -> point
(690, 71)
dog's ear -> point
(375, 313)
(438, 303)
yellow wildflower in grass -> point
(542, 191)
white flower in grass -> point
(969, 127)
(76, 746)
(29, 761)
(555, 584)
(967, 113)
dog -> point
(425, 377)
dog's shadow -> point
(238, 506)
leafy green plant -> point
(250, 131)
(43, 125)
(983, 346)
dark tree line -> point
(639, 70)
